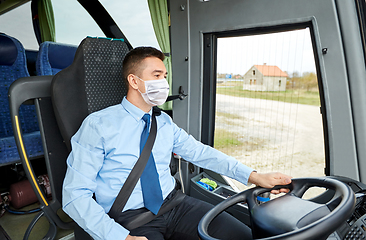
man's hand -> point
(129, 237)
(269, 180)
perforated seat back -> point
(92, 82)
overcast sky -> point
(291, 51)
(73, 23)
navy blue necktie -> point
(151, 191)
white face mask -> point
(156, 91)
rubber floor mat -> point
(3, 234)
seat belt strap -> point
(133, 177)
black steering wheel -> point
(290, 216)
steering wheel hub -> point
(286, 215)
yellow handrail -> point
(27, 162)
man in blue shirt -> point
(107, 146)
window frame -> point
(209, 79)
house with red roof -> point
(265, 78)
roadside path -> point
(285, 137)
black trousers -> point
(181, 223)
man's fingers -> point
(286, 180)
(282, 190)
(275, 191)
(282, 179)
(269, 180)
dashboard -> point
(355, 226)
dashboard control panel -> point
(355, 227)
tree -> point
(294, 80)
(309, 80)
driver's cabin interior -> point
(278, 85)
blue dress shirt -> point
(104, 151)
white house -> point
(265, 78)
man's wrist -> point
(253, 178)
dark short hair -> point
(133, 59)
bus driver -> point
(107, 146)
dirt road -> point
(277, 136)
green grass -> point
(225, 139)
(229, 143)
(301, 96)
(228, 115)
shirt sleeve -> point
(207, 157)
(83, 165)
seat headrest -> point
(53, 57)
(60, 56)
(8, 50)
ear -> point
(132, 81)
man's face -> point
(153, 69)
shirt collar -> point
(134, 111)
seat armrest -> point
(27, 88)
(20, 91)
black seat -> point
(92, 82)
